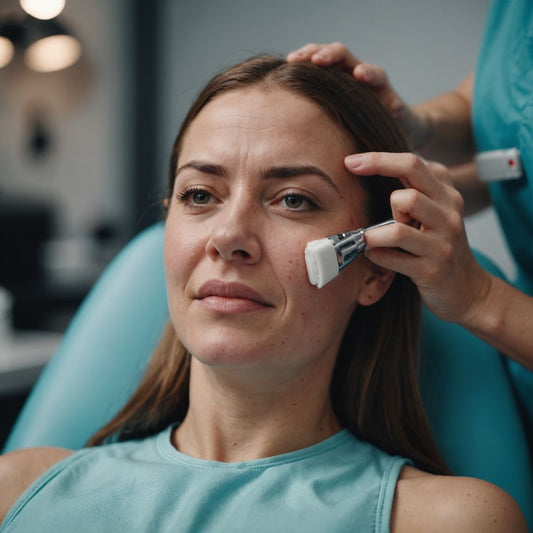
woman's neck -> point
(234, 419)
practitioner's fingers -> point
(373, 75)
(325, 55)
(410, 205)
(410, 169)
(434, 252)
(402, 238)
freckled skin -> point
(245, 132)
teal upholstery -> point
(466, 385)
(473, 409)
(104, 351)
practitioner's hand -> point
(434, 250)
(374, 76)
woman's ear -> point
(376, 283)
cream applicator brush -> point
(325, 258)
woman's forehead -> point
(269, 113)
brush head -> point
(325, 258)
(321, 262)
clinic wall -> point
(84, 172)
(427, 46)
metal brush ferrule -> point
(348, 246)
(351, 244)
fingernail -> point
(323, 56)
(362, 71)
(354, 161)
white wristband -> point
(499, 165)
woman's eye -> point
(200, 197)
(297, 202)
(195, 197)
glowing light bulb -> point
(53, 53)
(6, 51)
(43, 9)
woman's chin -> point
(228, 357)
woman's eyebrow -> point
(299, 170)
(281, 172)
(204, 167)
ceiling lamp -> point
(7, 51)
(9, 35)
(47, 45)
(50, 47)
(43, 9)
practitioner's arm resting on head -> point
(435, 254)
(439, 129)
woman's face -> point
(260, 174)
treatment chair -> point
(465, 383)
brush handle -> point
(386, 223)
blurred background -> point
(91, 97)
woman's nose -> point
(235, 237)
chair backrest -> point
(465, 382)
(104, 351)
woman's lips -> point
(230, 297)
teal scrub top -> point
(503, 118)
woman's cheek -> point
(182, 245)
(290, 260)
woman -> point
(269, 404)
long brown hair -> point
(374, 387)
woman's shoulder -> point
(20, 468)
(426, 502)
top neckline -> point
(166, 449)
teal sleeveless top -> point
(338, 485)
(503, 118)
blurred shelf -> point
(23, 357)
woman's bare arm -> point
(424, 502)
(19, 469)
